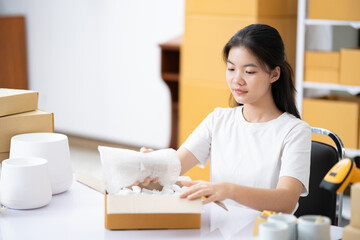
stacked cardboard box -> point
(19, 114)
(349, 67)
(333, 9)
(340, 115)
(333, 67)
(352, 231)
(322, 66)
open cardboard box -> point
(146, 211)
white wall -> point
(96, 65)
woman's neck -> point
(260, 113)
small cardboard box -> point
(322, 66)
(349, 66)
(28, 122)
(334, 9)
(338, 116)
(4, 156)
(351, 233)
(244, 8)
(14, 101)
(146, 211)
(355, 206)
(151, 212)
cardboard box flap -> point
(90, 181)
(5, 92)
(14, 101)
(124, 204)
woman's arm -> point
(282, 199)
(187, 160)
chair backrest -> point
(320, 201)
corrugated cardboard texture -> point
(34, 121)
(14, 101)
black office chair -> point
(323, 158)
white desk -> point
(79, 214)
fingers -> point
(197, 190)
(135, 183)
(146, 150)
(199, 193)
(146, 181)
(189, 183)
(210, 199)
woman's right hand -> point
(147, 180)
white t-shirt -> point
(252, 154)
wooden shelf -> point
(303, 86)
(170, 77)
(355, 24)
(354, 90)
(170, 71)
(13, 57)
(350, 153)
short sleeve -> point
(199, 141)
(295, 160)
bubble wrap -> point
(122, 167)
(136, 190)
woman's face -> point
(248, 81)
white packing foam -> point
(123, 167)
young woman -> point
(259, 150)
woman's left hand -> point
(211, 191)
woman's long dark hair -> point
(266, 44)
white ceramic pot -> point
(273, 231)
(25, 183)
(309, 228)
(54, 147)
(289, 219)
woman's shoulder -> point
(294, 122)
(221, 111)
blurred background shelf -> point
(13, 56)
(354, 90)
(355, 24)
(170, 73)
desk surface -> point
(79, 214)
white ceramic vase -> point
(25, 183)
(54, 147)
(309, 228)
